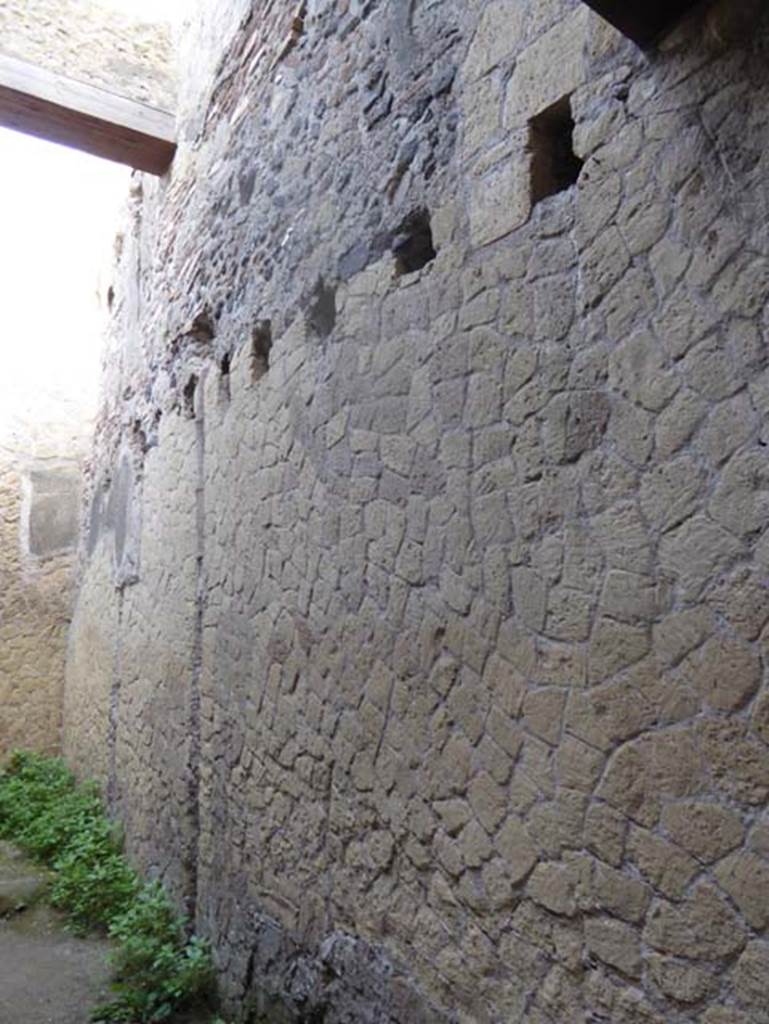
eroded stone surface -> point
(435, 685)
(40, 474)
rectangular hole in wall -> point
(555, 167)
(413, 243)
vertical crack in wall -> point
(328, 888)
(197, 652)
(114, 709)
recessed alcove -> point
(555, 167)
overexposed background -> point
(152, 10)
(59, 213)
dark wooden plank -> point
(50, 106)
(643, 21)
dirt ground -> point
(47, 976)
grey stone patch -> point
(96, 519)
(321, 310)
(575, 423)
(115, 509)
(345, 981)
(356, 258)
(246, 184)
(54, 507)
(120, 497)
(261, 346)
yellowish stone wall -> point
(439, 689)
(37, 585)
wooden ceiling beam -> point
(643, 21)
(50, 106)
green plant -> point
(157, 970)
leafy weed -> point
(157, 969)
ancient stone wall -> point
(40, 485)
(422, 634)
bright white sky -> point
(153, 10)
(59, 212)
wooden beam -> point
(643, 21)
(51, 106)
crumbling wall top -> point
(93, 43)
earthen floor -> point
(47, 975)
